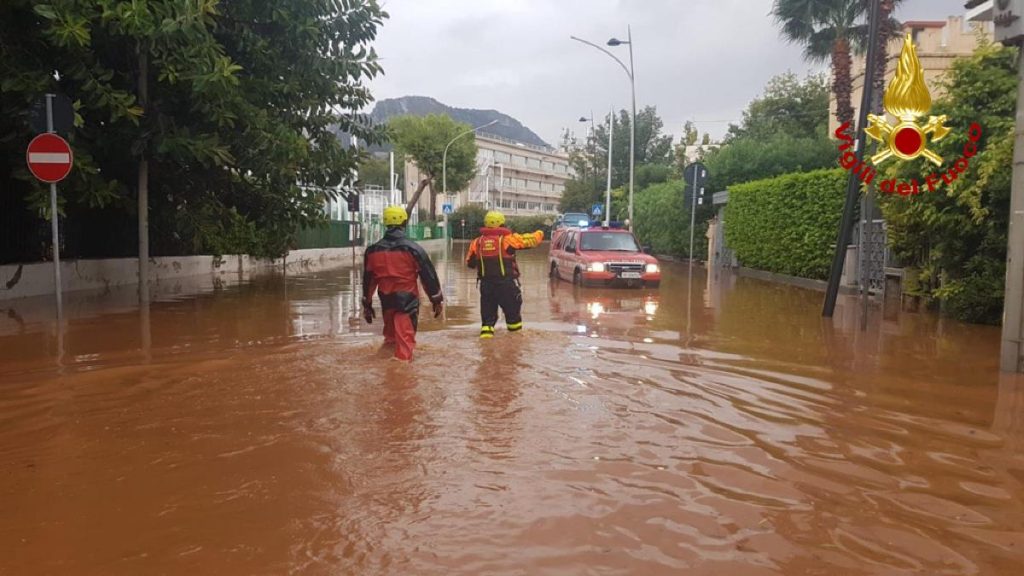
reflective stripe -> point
(515, 327)
(487, 335)
(487, 329)
(501, 256)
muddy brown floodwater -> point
(712, 427)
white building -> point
(515, 177)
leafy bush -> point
(473, 214)
(787, 224)
(525, 224)
(958, 233)
(661, 219)
(746, 160)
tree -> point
(784, 130)
(374, 171)
(579, 196)
(829, 30)
(954, 239)
(705, 140)
(651, 146)
(223, 109)
(787, 106)
(690, 134)
(423, 139)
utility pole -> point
(143, 183)
(1011, 356)
(853, 184)
(608, 190)
(1009, 29)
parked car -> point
(571, 219)
(602, 257)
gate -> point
(874, 255)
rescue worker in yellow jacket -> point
(493, 255)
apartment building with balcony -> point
(939, 43)
(517, 178)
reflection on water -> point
(714, 426)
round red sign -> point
(49, 157)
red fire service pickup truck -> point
(601, 256)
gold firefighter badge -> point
(908, 99)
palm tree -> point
(887, 28)
(835, 30)
(829, 30)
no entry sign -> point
(49, 157)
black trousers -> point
(504, 294)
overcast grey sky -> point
(695, 59)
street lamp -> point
(590, 144)
(632, 85)
(444, 157)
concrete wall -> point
(169, 275)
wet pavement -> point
(717, 426)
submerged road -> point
(714, 426)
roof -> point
(974, 3)
(924, 24)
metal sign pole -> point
(53, 220)
(693, 214)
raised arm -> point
(525, 241)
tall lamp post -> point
(444, 167)
(444, 156)
(590, 143)
(632, 85)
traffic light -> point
(353, 202)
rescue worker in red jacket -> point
(391, 268)
(493, 254)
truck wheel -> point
(577, 278)
(553, 272)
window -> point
(610, 241)
(548, 166)
(560, 168)
(521, 161)
(571, 244)
(533, 163)
(502, 157)
(533, 185)
(520, 205)
(561, 241)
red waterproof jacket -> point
(392, 266)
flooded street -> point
(713, 427)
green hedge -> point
(662, 220)
(787, 224)
(526, 224)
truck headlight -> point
(652, 268)
(596, 267)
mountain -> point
(507, 126)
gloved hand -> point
(438, 308)
(540, 236)
(368, 313)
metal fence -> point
(333, 234)
(876, 254)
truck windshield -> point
(574, 219)
(608, 241)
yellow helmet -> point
(395, 216)
(494, 219)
